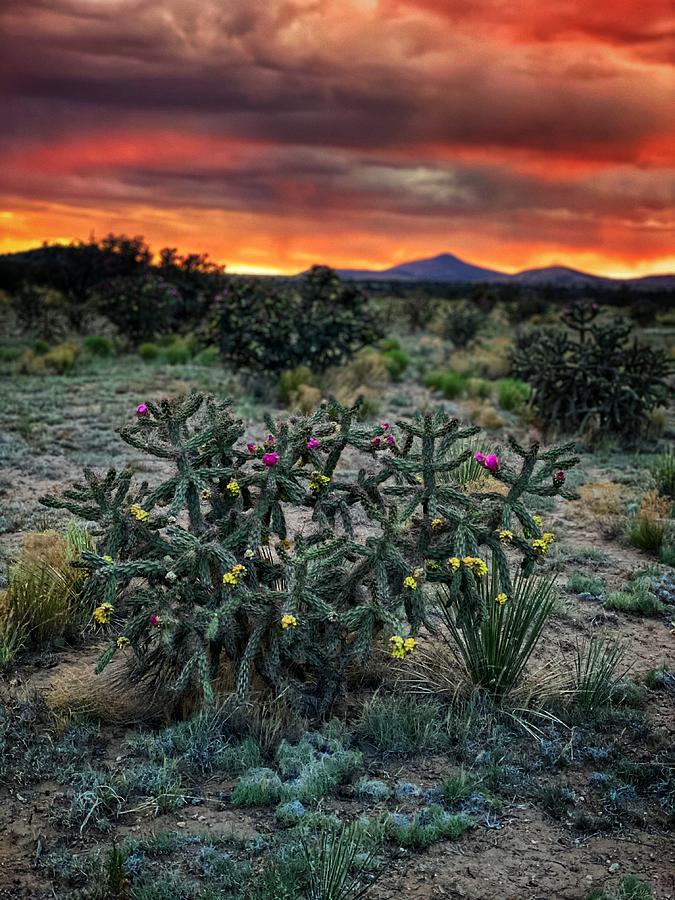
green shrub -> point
(388, 343)
(450, 384)
(149, 351)
(512, 394)
(460, 322)
(479, 388)
(646, 533)
(140, 306)
(401, 723)
(317, 321)
(98, 345)
(430, 825)
(456, 788)
(635, 602)
(630, 888)
(396, 362)
(209, 356)
(206, 570)
(597, 378)
(663, 471)
(178, 353)
(579, 583)
(40, 347)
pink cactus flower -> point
(251, 448)
(142, 409)
(270, 460)
(391, 440)
(154, 619)
(270, 440)
(492, 462)
(385, 426)
(479, 457)
(375, 443)
(313, 443)
(559, 477)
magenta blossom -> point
(251, 447)
(270, 460)
(385, 426)
(559, 477)
(142, 409)
(270, 441)
(492, 462)
(375, 442)
(154, 619)
(390, 439)
(313, 443)
(479, 457)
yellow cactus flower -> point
(232, 488)
(437, 522)
(288, 621)
(122, 642)
(103, 613)
(538, 521)
(409, 644)
(454, 563)
(139, 513)
(410, 582)
(501, 599)
(229, 579)
(505, 535)
(318, 481)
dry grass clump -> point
(486, 415)
(364, 376)
(603, 502)
(43, 596)
(112, 696)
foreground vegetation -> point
(360, 621)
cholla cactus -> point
(256, 554)
(597, 376)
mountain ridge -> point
(446, 267)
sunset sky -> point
(274, 134)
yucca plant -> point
(494, 648)
(340, 866)
(595, 673)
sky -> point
(275, 134)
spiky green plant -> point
(596, 673)
(340, 865)
(494, 648)
(203, 571)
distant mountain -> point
(447, 268)
(561, 275)
(444, 267)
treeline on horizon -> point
(113, 274)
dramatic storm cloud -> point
(276, 133)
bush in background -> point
(591, 373)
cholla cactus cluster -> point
(270, 557)
(591, 373)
